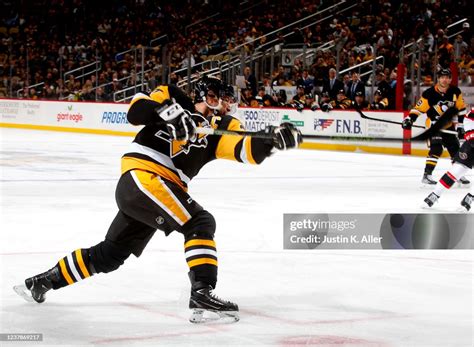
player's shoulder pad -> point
(455, 90)
(426, 94)
(230, 123)
(140, 96)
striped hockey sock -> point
(73, 268)
(450, 177)
(431, 163)
(201, 257)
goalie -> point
(152, 191)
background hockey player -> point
(444, 103)
(342, 102)
(380, 101)
(463, 162)
(152, 191)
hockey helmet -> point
(444, 72)
(207, 86)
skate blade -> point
(201, 316)
(22, 291)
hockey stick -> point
(362, 115)
(221, 132)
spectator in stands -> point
(354, 86)
(465, 80)
(346, 79)
(262, 98)
(307, 81)
(445, 52)
(428, 40)
(467, 63)
(100, 95)
(332, 85)
(460, 46)
(247, 99)
(250, 80)
(280, 98)
(466, 32)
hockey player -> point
(325, 103)
(342, 102)
(380, 101)
(359, 102)
(463, 162)
(442, 102)
(152, 192)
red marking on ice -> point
(207, 328)
(322, 321)
(325, 340)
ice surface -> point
(57, 194)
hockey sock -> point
(431, 163)
(201, 257)
(73, 268)
(449, 178)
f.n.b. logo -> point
(320, 123)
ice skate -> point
(464, 182)
(430, 200)
(466, 202)
(36, 287)
(207, 307)
(428, 179)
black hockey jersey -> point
(179, 161)
(433, 102)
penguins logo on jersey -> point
(178, 147)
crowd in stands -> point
(41, 40)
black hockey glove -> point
(298, 105)
(326, 107)
(407, 123)
(285, 136)
(178, 121)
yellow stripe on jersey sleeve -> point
(138, 96)
(460, 105)
(160, 94)
(422, 105)
(227, 143)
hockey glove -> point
(326, 107)
(407, 123)
(298, 105)
(178, 121)
(285, 136)
(314, 106)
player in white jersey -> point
(462, 163)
